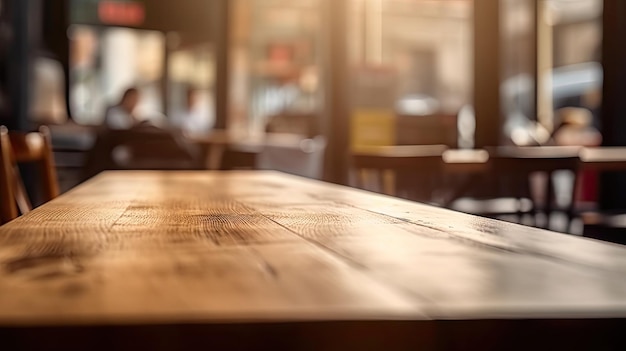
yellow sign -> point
(373, 127)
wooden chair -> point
(415, 168)
(522, 162)
(509, 179)
(142, 148)
(17, 148)
(605, 226)
(601, 224)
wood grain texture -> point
(206, 247)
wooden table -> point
(591, 158)
(604, 158)
(181, 260)
(466, 161)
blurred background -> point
(309, 86)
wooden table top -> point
(401, 150)
(477, 160)
(604, 158)
(204, 247)
(466, 161)
(536, 152)
(253, 142)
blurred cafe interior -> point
(509, 109)
(312, 174)
(335, 91)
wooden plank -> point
(483, 231)
(198, 284)
(150, 256)
(460, 275)
(204, 247)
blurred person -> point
(592, 100)
(195, 117)
(576, 128)
(122, 115)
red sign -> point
(121, 13)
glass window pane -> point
(412, 65)
(275, 65)
(105, 61)
(571, 72)
(519, 62)
(191, 104)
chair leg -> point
(360, 178)
(533, 204)
(523, 191)
(550, 199)
(388, 182)
(21, 196)
(571, 208)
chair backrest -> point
(17, 148)
(7, 178)
(513, 167)
(399, 158)
(536, 159)
(146, 148)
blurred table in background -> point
(466, 161)
(180, 260)
(410, 171)
(218, 142)
(604, 159)
(495, 173)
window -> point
(105, 61)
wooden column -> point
(19, 66)
(487, 72)
(336, 123)
(221, 17)
(545, 63)
(613, 186)
(55, 23)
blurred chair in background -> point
(506, 190)
(140, 148)
(25, 148)
(609, 227)
(421, 163)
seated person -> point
(576, 128)
(122, 115)
(195, 117)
